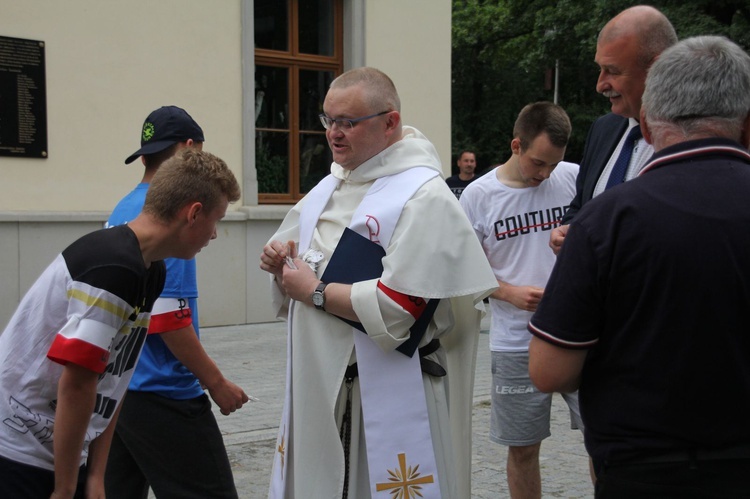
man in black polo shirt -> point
(467, 163)
(647, 308)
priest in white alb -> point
(381, 279)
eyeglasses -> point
(345, 124)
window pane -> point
(272, 162)
(271, 21)
(271, 97)
(316, 27)
(315, 160)
(313, 86)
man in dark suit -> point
(626, 47)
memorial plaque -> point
(23, 98)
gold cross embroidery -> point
(405, 482)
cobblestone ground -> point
(253, 356)
(563, 461)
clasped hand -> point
(298, 283)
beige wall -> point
(110, 62)
(233, 290)
(410, 40)
(28, 246)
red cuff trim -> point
(79, 352)
(412, 304)
(170, 321)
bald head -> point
(651, 30)
(368, 98)
(625, 49)
(380, 91)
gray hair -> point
(699, 86)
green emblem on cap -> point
(148, 131)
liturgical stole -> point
(400, 454)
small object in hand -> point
(253, 399)
(288, 259)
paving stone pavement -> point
(254, 357)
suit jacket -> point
(603, 137)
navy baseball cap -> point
(164, 127)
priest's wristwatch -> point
(318, 298)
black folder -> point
(356, 259)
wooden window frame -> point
(294, 61)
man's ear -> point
(191, 212)
(393, 120)
(645, 130)
(515, 146)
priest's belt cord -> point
(345, 433)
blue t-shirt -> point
(158, 370)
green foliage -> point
(504, 51)
(271, 169)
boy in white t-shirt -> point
(512, 209)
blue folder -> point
(356, 259)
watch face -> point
(318, 299)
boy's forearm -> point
(99, 451)
(76, 397)
(186, 347)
